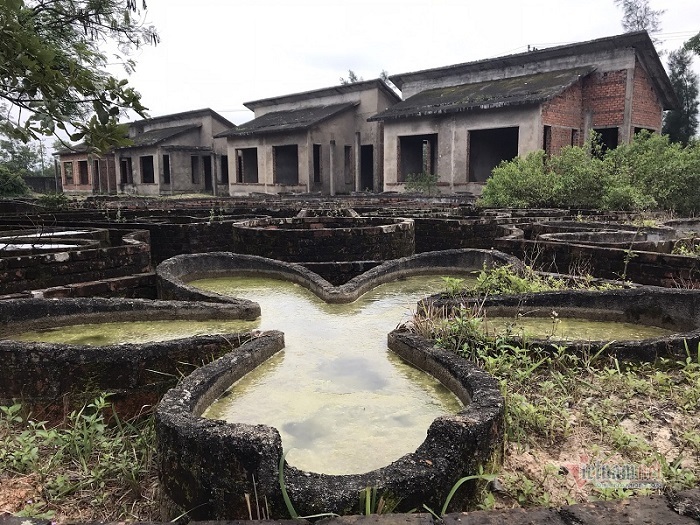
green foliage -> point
(95, 457)
(53, 71)
(506, 280)
(681, 124)
(11, 184)
(422, 183)
(53, 201)
(650, 172)
(24, 159)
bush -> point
(650, 172)
(11, 184)
(422, 183)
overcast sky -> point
(222, 53)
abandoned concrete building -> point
(171, 154)
(461, 121)
(316, 141)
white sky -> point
(222, 53)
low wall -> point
(323, 239)
(174, 274)
(52, 379)
(191, 449)
(677, 310)
(32, 272)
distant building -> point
(316, 141)
(171, 154)
(461, 121)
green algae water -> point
(137, 332)
(342, 402)
(571, 329)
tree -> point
(352, 78)
(23, 159)
(637, 15)
(680, 125)
(693, 44)
(52, 70)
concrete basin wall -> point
(207, 467)
(673, 309)
(52, 379)
(322, 239)
(175, 273)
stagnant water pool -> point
(137, 332)
(343, 403)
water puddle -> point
(571, 329)
(343, 403)
(137, 332)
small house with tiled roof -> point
(460, 121)
(315, 141)
(169, 154)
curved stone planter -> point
(175, 273)
(673, 309)
(207, 467)
(51, 379)
(323, 239)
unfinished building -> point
(316, 141)
(461, 121)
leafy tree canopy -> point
(24, 159)
(53, 70)
(680, 125)
(693, 44)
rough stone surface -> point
(651, 510)
(191, 450)
(537, 516)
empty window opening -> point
(417, 154)
(607, 138)
(224, 169)
(194, 166)
(547, 140)
(126, 170)
(285, 164)
(83, 172)
(317, 164)
(166, 169)
(147, 172)
(247, 165)
(348, 165)
(68, 172)
(367, 168)
(206, 165)
(488, 148)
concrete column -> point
(332, 170)
(214, 174)
(626, 131)
(358, 165)
(117, 171)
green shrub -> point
(422, 183)
(11, 184)
(521, 183)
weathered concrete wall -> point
(453, 143)
(131, 257)
(324, 239)
(54, 378)
(175, 273)
(677, 310)
(192, 449)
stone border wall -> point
(54, 378)
(175, 273)
(132, 256)
(672, 309)
(325, 239)
(192, 450)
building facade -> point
(316, 141)
(461, 121)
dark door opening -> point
(488, 148)
(418, 155)
(607, 138)
(247, 165)
(367, 168)
(206, 164)
(317, 164)
(285, 164)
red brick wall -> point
(646, 107)
(75, 185)
(563, 114)
(604, 97)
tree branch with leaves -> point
(53, 69)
